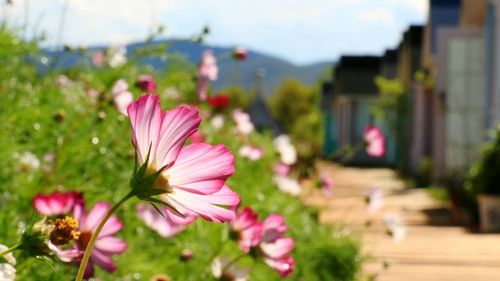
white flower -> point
(288, 185)
(28, 162)
(8, 257)
(7, 270)
(285, 148)
(243, 122)
(395, 226)
(375, 199)
(217, 121)
(223, 270)
(251, 152)
(245, 128)
(120, 86)
(117, 56)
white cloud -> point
(302, 31)
(377, 15)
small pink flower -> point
(243, 122)
(251, 152)
(57, 203)
(247, 229)
(375, 141)
(98, 59)
(275, 248)
(122, 98)
(197, 137)
(193, 176)
(282, 169)
(326, 184)
(207, 71)
(146, 83)
(161, 223)
(106, 244)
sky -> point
(301, 31)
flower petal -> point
(201, 168)
(199, 205)
(176, 126)
(103, 261)
(95, 216)
(111, 245)
(279, 248)
(145, 117)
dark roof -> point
(443, 13)
(390, 56)
(414, 35)
(388, 66)
(356, 74)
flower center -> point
(161, 181)
(65, 230)
(84, 239)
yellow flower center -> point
(161, 181)
(65, 230)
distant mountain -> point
(233, 72)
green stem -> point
(9, 250)
(232, 262)
(90, 246)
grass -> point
(90, 142)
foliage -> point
(483, 177)
(296, 108)
(238, 97)
(83, 143)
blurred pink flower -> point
(251, 152)
(326, 184)
(194, 176)
(207, 71)
(276, 248)
(375, 199)
(243, 122)
(146, 83)
(161, 223)
(122, 98)
(106, 244)
(98, 58)
(375, 141)
(282, 169)
(67, 255)
(197, 137)
(247, 229)
(57, 203)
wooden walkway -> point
(433, 248)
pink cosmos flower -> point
(197, 137)
(98, 58)
(247, 229)
(207, 71)
(282, 169)
(251, 152)
(243, 122)
(161, 223)
(375, 141)
(194, 176)
(122, 98)
(57, 203)
(146, 83)
(276, 248)
(106, 245)
(326, 184)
